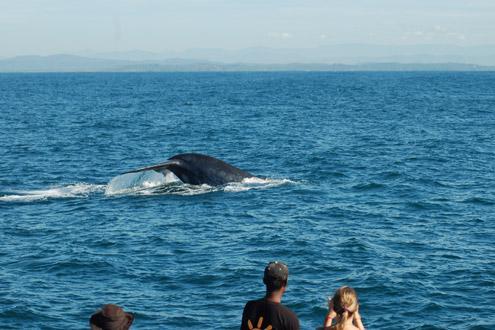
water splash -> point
(135, 183)
(153, 183)
(77, 190)
(143, 183)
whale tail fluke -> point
(162, 167)
(198, 169)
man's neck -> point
(275, 296)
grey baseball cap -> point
(276, 270)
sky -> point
(29, 27)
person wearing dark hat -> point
(111, 317)
(268, 313)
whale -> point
(198, 169)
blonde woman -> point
(344, 308)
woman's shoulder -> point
(333, 327)
(326, 328)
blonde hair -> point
(345, 303)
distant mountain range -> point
(328, 58)
(330, 54)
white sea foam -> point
(77, 190)
(255, 183)
(143, 183)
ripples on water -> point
(382, 181)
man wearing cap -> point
(268, 313)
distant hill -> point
(57, 63)
(73, 63)
(328, 54)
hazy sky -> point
(73, 26)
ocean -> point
(381, 181)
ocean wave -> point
(478, 200)
(368, 186)
(77, 190)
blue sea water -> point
(381, 181)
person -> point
(344, 308)
(268, 313)
(111, 317)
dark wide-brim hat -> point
(111, 317)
